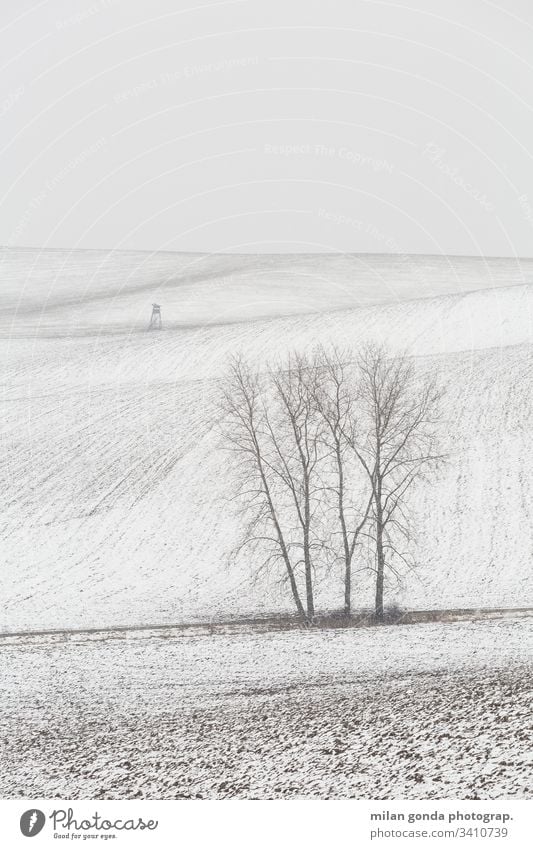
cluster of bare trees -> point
(326, 449)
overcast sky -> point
(254, 126)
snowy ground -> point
(420, 711)
(113, 510)
(54, 293)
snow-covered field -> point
(112, 507)
(420, 711)
(113, 512)
(54, 292)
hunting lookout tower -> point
(155, 321)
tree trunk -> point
(288, 564)
(281, 539)
(346, 544)
(380, 565)
(348, 589)
(295, 593)
(380, 555)
(308, 577)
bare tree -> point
(296, 436)
(336, 401)
(327, 449)
(396, 443)
(273, 431)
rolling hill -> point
(113, 507)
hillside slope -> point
(113, 489)
(63, 293)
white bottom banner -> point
(243, 824)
